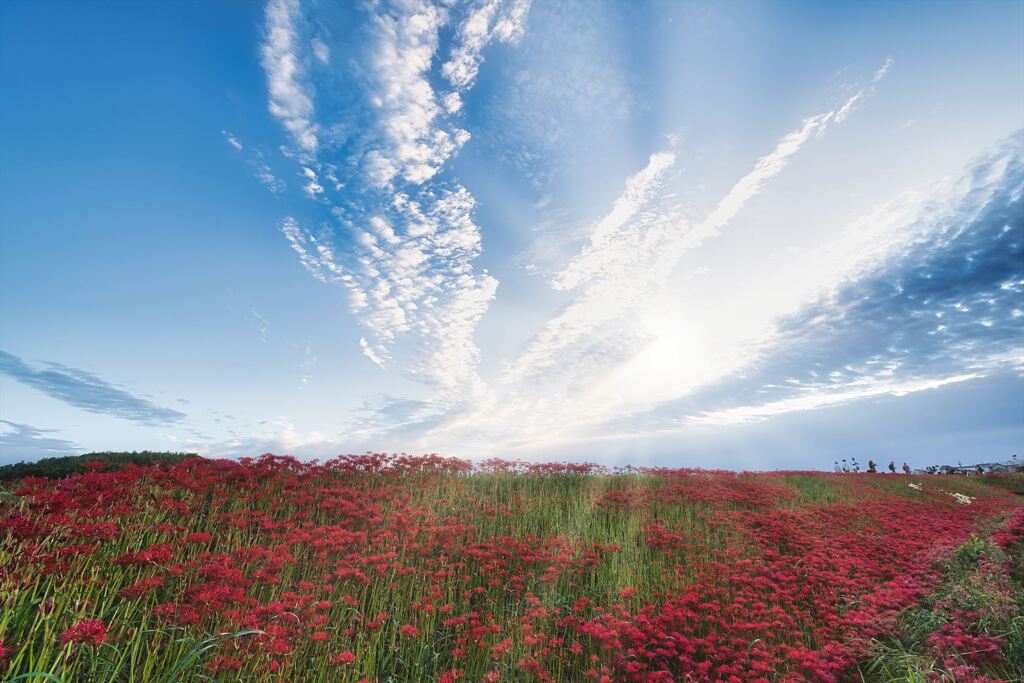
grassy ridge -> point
(65, 466)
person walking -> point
(906, 468)
(856, 466)
(872, 468)
(846, 468)
(892, 467)
(836, 468)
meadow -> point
(395, 568)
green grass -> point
(975, 580)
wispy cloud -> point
(937, 303)
(264, 324)
(265, 175)
(87, 391)
(603, 275)
(321, 51)
(309, 359)
(620, 344)
(410, 239)
(257, 160)
(233, 141)
(413, 146)
(562, 81)
(23, 442)
(494, 19)
(291, 96)
(864, 93)
(632, 252)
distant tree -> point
(55, 468)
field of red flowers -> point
(393, 568)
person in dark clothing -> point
(892, 467)
(872, 468)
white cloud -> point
(564, 88)
(414, 147)
(255, 159)
(409, 269)
(504, 21)
(264, 324)
(823, 396)
(616, 346)
(511, 23)
(267, 177)
(313, 186)
(609, 235)
(420, 280)
(321, 51)
(232, 140)
(414, 140)
(845, 110)
(374, 354)
(309, 359)
(291, 96)
(632, 253)
(316, 258)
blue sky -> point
(746, 235)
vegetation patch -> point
(53, 468)
(971, 628)
(393, 568)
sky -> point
(747, 235)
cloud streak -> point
(87, 391)
(938, 303)
(632, 253)
(23, 442)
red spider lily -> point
(409, 630)
(667, 575)
(87, 631)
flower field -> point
(393, 568)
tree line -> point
(53, 468)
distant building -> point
(1014, 464)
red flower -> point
(89, 631)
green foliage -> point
(975, 581)
(55, 468)
(1011, 481)
(814, 488)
